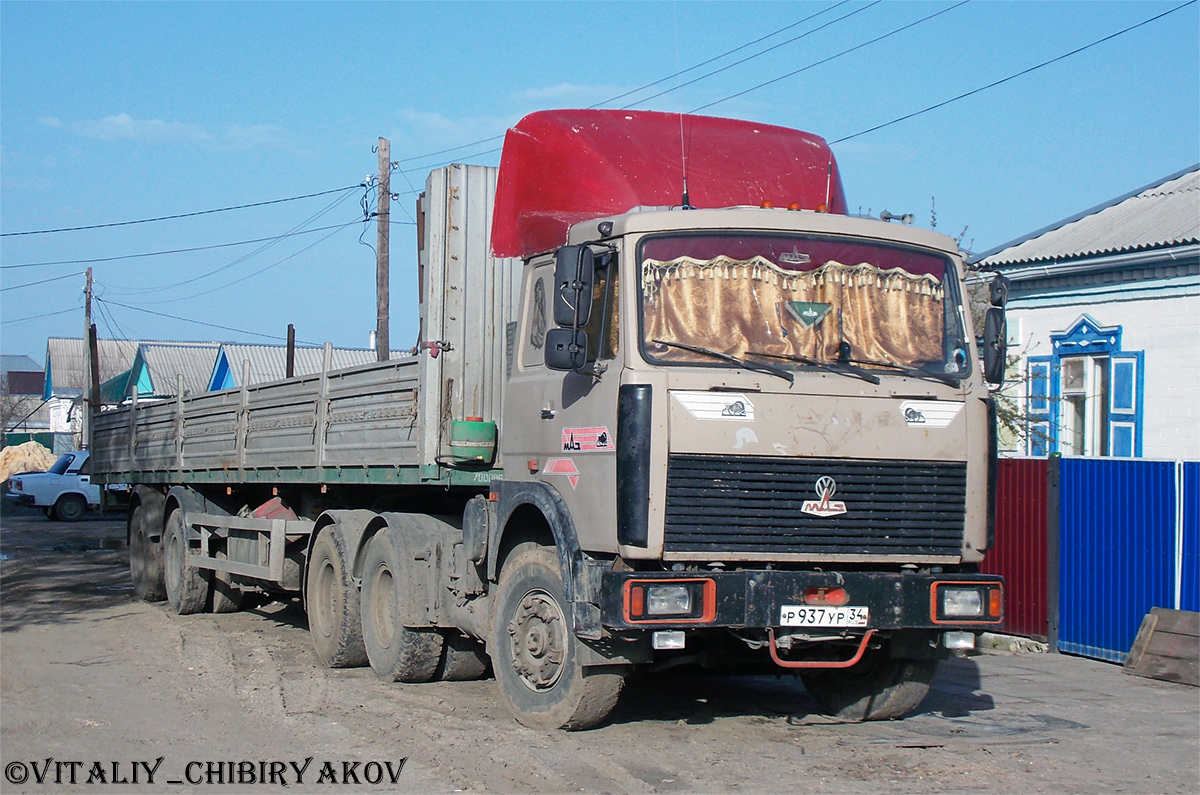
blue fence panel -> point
(1117, 523)
(1190, 590)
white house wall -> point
(1163, 322)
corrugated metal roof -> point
(66, 362)
(166, 361)
(269, 362)
(1166, 213)
(18, 362)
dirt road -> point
(96, 686)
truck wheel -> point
(463, 659)
(70, 508)
(226, 597)
(878, 688)
(332, 603)
(145, 560)
(535, 653)
(397, 653)
(186, 585)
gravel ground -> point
(96, 686)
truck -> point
(670, 405)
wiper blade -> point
(838, 367)
(915, 372)
(755, 366)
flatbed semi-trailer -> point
(645, 425)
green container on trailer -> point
(472, 442)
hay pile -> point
(28, 457)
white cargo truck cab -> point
(649, 424)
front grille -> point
(744, 504)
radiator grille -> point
(746, 504)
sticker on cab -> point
(716, 405)
(929, 413)
(587, 440)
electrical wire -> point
(179, 215)
(15, 320)
(170, 251)
(43, 281)
(275, 264)
(199, 322)
(846, 51)
(755, 55)
(1023, 72)
(163, 287)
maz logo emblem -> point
(913, 417)
(825, 506)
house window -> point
(1085, 398)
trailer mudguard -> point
(152, 501)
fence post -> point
(1053, 565)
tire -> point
(463, 659)
(225, 597)
(70, 508)
(145, 559)
(186, 586)
(397, 653)
(332, 603)
(535, 653)
(879, 687)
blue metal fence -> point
(1189, 569)
(1129, 540)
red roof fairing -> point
(560, 167)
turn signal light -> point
(995, 603)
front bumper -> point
(756, 599)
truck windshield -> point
(800, 301)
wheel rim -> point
(322, 605)
(70, 509)
(383, 596)
(538, 641)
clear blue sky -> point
(113, 112)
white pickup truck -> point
(64, 492)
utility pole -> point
(85, 396)
(383, 225)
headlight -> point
(969, 602)
(961, 603)
(664, 600)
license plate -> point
(806, 616)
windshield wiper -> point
(915, 372)
(755, 366)
(838, 367)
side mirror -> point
(566, 349)
(998, 290)
(995, 346)
(574, 272)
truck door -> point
(580, 439)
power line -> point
(275, 264)
(181, 215)
(198, 322)
(170, 251)
(726, 54)
(757, 54)
(1012, 76)
(651, 84)
(832, 57)
(43, 281)
(162, 287)
(16, 320)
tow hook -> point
(862, 648)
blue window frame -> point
(1108, 400)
